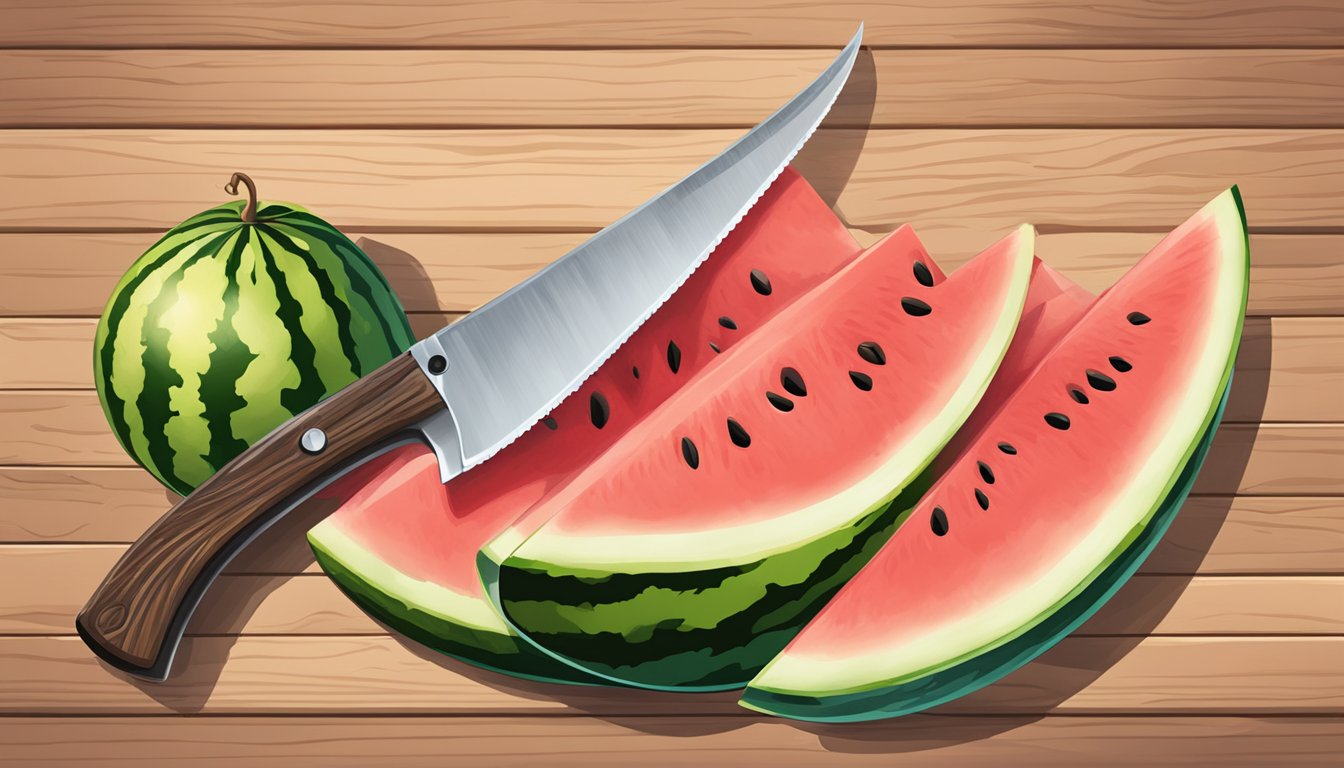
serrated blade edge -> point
(512, 361)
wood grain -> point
(58, 579)
(1216, 534)
(136, 614)
(955, 186)
(681, 23)
(72, 274)
(1082, 675)
(56, 428)
(667, 88)
(1291, 369)
(919, 741)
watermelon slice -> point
(690, 552)
(1052, 505)
(403, 546)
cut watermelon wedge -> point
(403, 546)
(690, 552)
(1055, 501)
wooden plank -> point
(1213, 535)
(919, 741)
(1082, 675)
(55, 428)
(696, 23)
(956, 186)
(73, 274)
(1290, 369)
(663, 88)
(59, 579)
(43, 504)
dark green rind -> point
(993, 665)
(659, 657)
(371, 325)
(110, 322)
(228, 360)
(486, 650)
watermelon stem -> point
(249, 210)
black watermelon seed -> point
(635, 370)
(981, 499)
(780, 402)
(727, 322)
(1100, 381)
(1121, 364)
(872, 352)
(1008, 449)
(861, 380)
(550, 423)
(1078, 395)
(1057, 420)
(915, 307)
(737, 434)
(1137, 318)
(689, 453)
(760, 282)
(793, 382)
(923, 275)
(673, 356)
(598, 410)
(938, 522)
(715, 347)
(985, 472)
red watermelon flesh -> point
(686, 555)
(1054, 305)
(404, 547)
(1056, 487)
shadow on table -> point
(1056, 676)
(830, 157)
(225, 609)
(1020, 698)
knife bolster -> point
(135, 619)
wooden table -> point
(488, 137)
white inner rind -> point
(667, 552)
(1156, 461)
(422, 596)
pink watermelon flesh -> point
(1059, 485)
(1054, 305)
(404, 546)
(686, 554)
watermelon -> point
(688, 554)
(1057, 498)
(233, 322)
(403, 546)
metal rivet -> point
(313, 441)
(438, 364)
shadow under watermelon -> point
(1135, 613)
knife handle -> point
(135, 619)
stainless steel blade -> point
(506, 365)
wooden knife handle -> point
(134, 620)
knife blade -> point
(468, 390)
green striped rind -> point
(222, 331)
(493, 648)
(733, 619)
(973, 671)
(710, 622)
(977, 672)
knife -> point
(468, 391)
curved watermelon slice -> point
(690, 552)
(1050, 507)
(403, 546)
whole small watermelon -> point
(237, 319)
